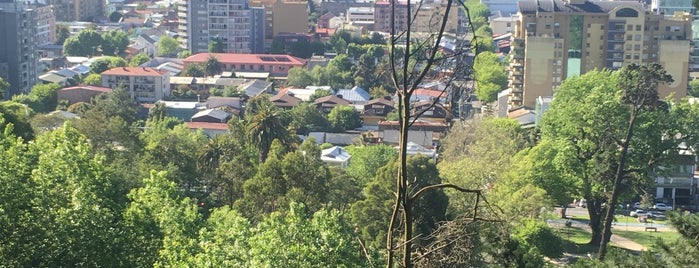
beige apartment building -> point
(283, 16)
(557, 39)
(427, 16)
(78, 10)
(143, 83)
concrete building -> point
(145, 84)
(556, 39)
(282, 16)
(669, 7)
(78, 10)
(424, 20)
(361, 16)
(45, 24)
(237, 26)
(18, 51)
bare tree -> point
(416, 57)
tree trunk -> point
(563, 211)
(611, 204)
(595, 224)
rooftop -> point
(134, 71)
(248, 58)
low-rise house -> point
(416, 149)
(204, 84)
(211, 116)
(183, 110)
(355, 95)
(80, 93)
(429, 110)
(376, 110)
(677, 185)
(335, 156)
(305, 93)
(145, 84)
(424, 133)
(327, 103)
(285, 101)
(233, 105)
(147, 43)
(256, 87)
(210, 129)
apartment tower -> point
(232, 22)
(18, 57)
(556, 39)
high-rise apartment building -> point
(78, 10)
(556, 39)
(237, 26)
(18, 53)
(45, 24)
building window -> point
(556, 25)
(638, 27)
(629, 37)
(636, 56)
(627, 56)
(629, 27)
(638, 37)
(637, 47)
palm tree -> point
(265, 123)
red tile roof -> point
(134, 71)
(207, 125)
(430, 92)
(93, 88)
(231, 58)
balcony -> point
(675, 182)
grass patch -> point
(647, 238)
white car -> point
(662, 206)
(638, 213)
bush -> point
(535, 234)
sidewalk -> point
(620, 241)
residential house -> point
(335, 156)
(424, 133)
(143, 83)
(256, 87)
(327, 103)
(233, 105)
(355, 95)
(376, 110)
(210, 129)
(416, 149)
(305, 93)
(80, 93)
(147, 43)
(211, 116)
(324, 20)
(285, 100)
(183, 110)
(432, 111)
(203, 84)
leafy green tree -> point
(367, 160)
(478, 155)
(306, 118)
(224, 240)
(344, 117)
(73, 201)
(264, 192)
(194, 70)
(114, 42)
(18, 115)
(167, 46)
(369, 214)
(295, 240)
(365, 76)
(62, 33)
(85, 43)
(161, 223)
(299, 77)
(213, 66)
(99, 66)
(378, 92)
(93, 79)
(694, 88)
(537, 235)
(216, 46)
(139, 59)
(171, 149)
(184, 54)
(490, 76)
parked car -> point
(658, 215)
(662, 206)
(638, 213)
(637, 205)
